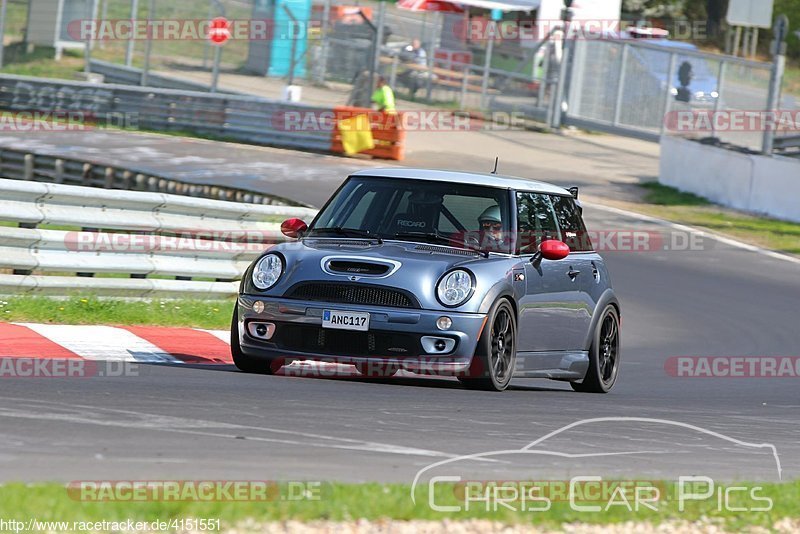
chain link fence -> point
(625, 86)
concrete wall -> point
(760, 184)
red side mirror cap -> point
(552, 249)
(293, 227)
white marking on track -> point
(222, 335)
(102, 343)
(699, 231)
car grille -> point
(370, 295)
(317, 340)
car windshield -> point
(443, 213)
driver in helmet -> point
(491, 229)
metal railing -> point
(135, 244)
(43, 167)
(241, 118)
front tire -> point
(603, 355)
(242, 361)
(496, 356)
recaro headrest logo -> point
(411, 224)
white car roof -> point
(472, 178)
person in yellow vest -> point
(383, 97)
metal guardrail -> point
(122, 74)
(139, 238)
(242, 118)
(43, 167)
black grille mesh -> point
(353, 293)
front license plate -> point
(345, 320)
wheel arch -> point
(607, 298)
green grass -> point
(91, 310)
(663, 195)
(345, 502)
(685, 208)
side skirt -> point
(559, 365)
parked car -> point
(477, 276)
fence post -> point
(545, 74)
(620, 83)
(720, 89)
(558, 103)
(464, 83)
(148, 45)
(673, 64)
(87, 45)
(131, 43)
(487, 63)
(326, 20)
(431, 53)
(378, 42)
(780, 31)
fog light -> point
(258, 306)
(444, 323)
(440, 345)
(261, 330)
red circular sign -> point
(219, 30)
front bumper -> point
(393, 336)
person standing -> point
(383, 97)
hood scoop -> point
(358, 267)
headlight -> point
(267, 271)
(455, 288)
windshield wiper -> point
(441, 239)
(349, 232)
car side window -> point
(572, 227)
(536, 221)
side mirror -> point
(551, 249)
(293, 228)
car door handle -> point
(572, 273)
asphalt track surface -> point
(202, 422)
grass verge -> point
(685, 208)
(345, 502)
(214, 314)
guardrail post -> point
(27, 172)
(109, 178)
(58, 171)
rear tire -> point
(603, 355)
(246, 363)
(493, 364)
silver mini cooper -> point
(478, 276)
